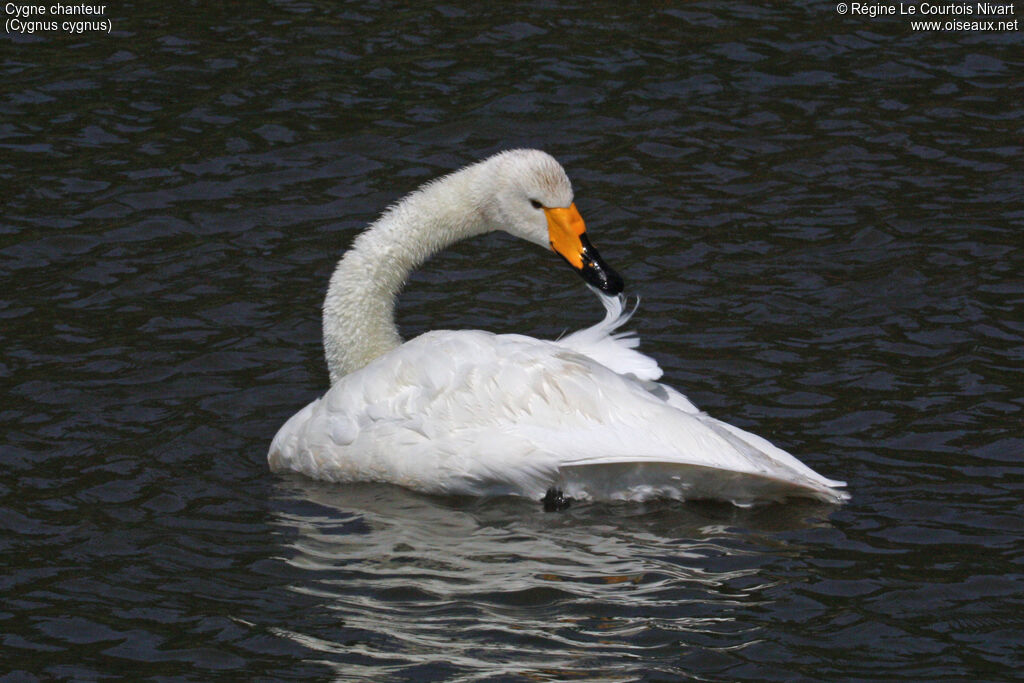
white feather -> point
(470, 412)
(614, 350)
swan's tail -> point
(643, 480)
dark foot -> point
(554, 500)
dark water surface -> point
(823, 215)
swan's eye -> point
(535, 204)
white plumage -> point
(474, 413)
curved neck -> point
(358, 314)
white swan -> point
(470, 412)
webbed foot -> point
(554, 500)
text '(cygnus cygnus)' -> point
(474, 413)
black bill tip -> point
(596, 272)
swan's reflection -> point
(503, 587)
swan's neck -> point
(358, 315)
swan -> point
(473, 413)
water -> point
(822, 215)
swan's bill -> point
(568, 236)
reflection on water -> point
(500, 587)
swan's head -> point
(531, 198)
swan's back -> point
(470, 412)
